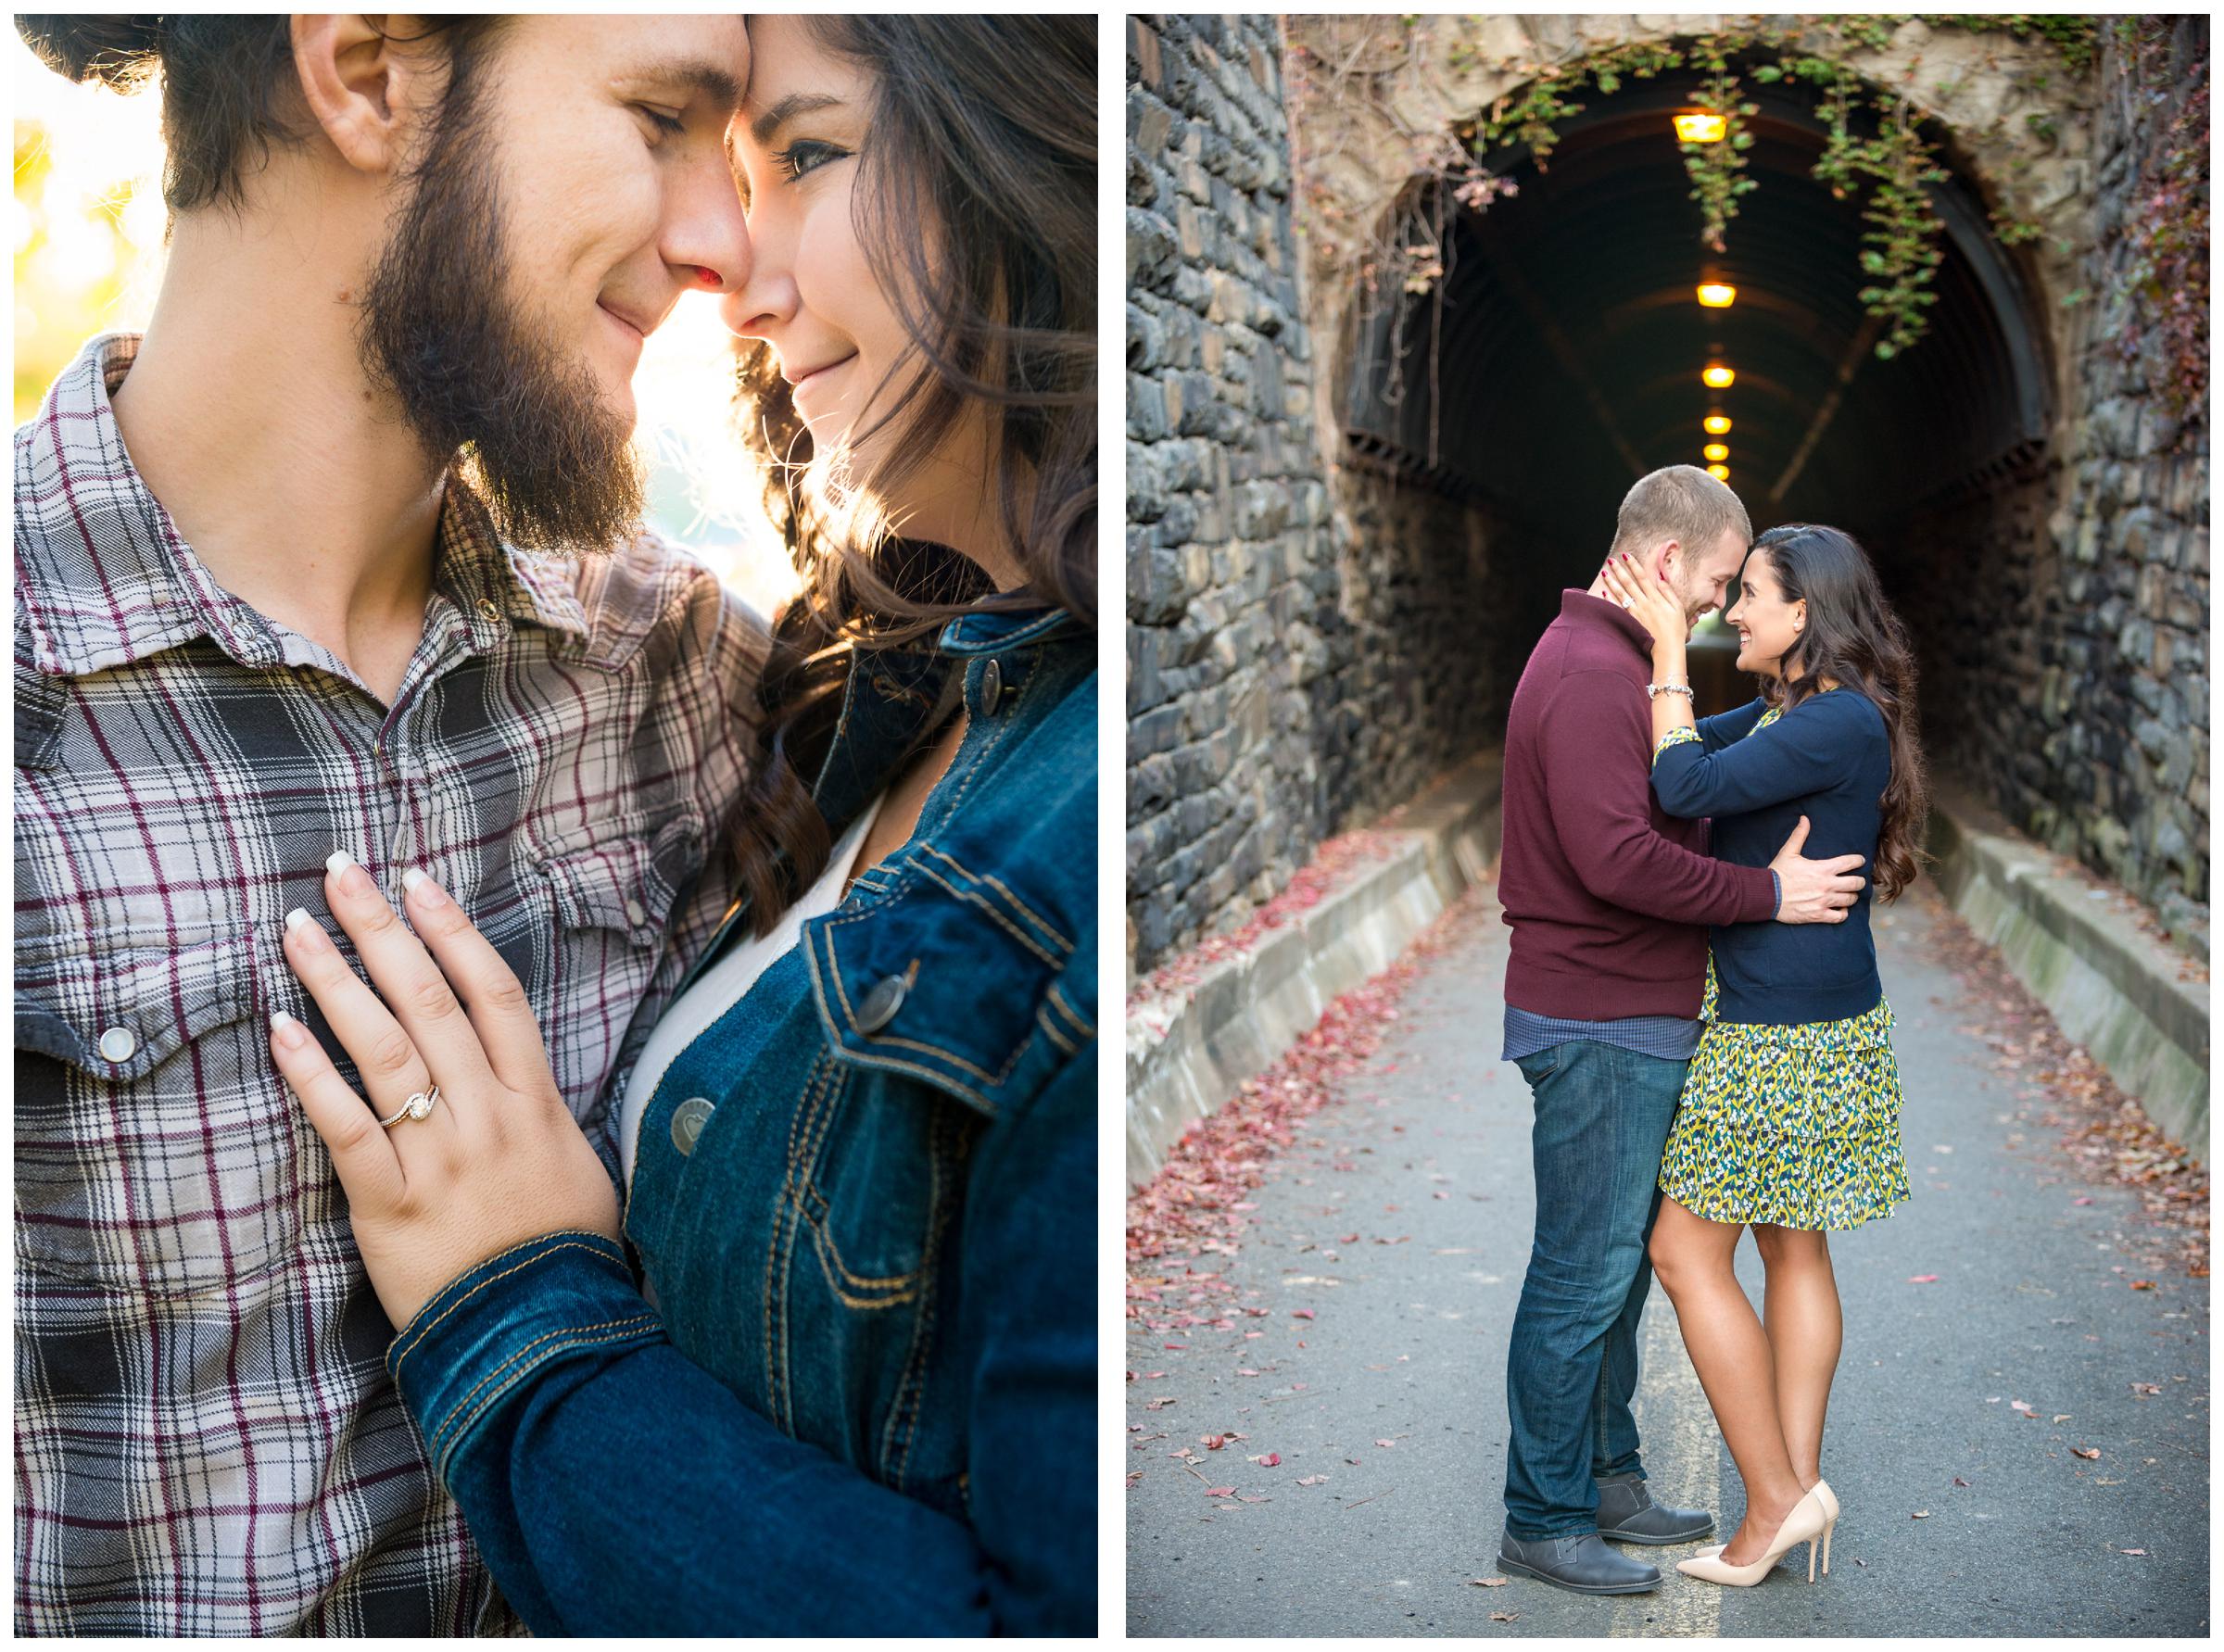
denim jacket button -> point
(881, 1004)
(991, 688)
(688, 1120)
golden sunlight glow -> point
(1698, 126)
(1716, 450)
(1717, 424)
(1717, 295)
(1721, 472)
(88, 227)
(1717, 376)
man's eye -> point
(662, 122)
(807, 156)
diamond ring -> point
(418, 1106)
(1627, 603)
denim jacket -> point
(863, 1208)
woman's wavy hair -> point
(1853, 637)
(975, 203)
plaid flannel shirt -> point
(207, 1440)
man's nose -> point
(709, 229)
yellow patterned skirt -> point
(1794, 1125)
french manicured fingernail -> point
(313, 937)
(352, 877)
(289, 1031)
(423, 888)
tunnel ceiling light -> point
(1717, 424)
(1717, 376)
(1717, 295)
(1721, 472)
(1700, 126)
(1716, 450)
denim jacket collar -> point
(896, 695)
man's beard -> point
(554, 466)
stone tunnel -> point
(1353, 503)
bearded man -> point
(341, 555)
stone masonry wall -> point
(2067, 617)
(1308, 644)
(1229, 567)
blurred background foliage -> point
(88, 223)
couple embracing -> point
(1693, 999)
(543, 1101)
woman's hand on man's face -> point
(499, 1160)
(1650, 601)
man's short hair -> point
(1679, 502)
(229, 89)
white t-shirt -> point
(696, 1010)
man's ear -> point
(1664, 560)
(363, 90)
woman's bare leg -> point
(1692, 1259)
(1805, 1331)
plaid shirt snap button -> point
(117, 1044)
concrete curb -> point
(1188, 1052)
(2107, 983)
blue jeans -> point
(1602, 1119)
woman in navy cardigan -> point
(1790, 1120)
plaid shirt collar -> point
(146, 591)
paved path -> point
(1401, 1219)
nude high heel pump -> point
(1829, 1502)
(1803, 1524)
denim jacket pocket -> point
(953, 980)
(157, 1151)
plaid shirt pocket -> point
(157, 1151)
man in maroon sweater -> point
(1610, 899)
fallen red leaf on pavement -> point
(1504, 1617)
(1959, 1481)
(1488, 1583)
(2142, 1285)
(2131, 1551)
(2084, 1451)
(1924, 1278)
(1301, 1313)
(1271, 1459)
(1219, 1491)
(1312, 1479)
(1387, 1445)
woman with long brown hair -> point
(1789, 1119)
(796, 1388)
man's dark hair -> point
(229, 91)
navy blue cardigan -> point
(1827, 758)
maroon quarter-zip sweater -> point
(1609, 898)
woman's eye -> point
(662, 122)
(805, 156)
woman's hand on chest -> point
(498, 1158)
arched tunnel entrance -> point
(1560, 357)
(1356, 483)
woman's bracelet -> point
(1654, 690)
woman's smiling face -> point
(812, 295)
(1765, 624)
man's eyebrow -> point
(697, 74)
(787, 110)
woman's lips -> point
(806, 380)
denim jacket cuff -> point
(482, 1337)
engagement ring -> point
(418, 1106)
